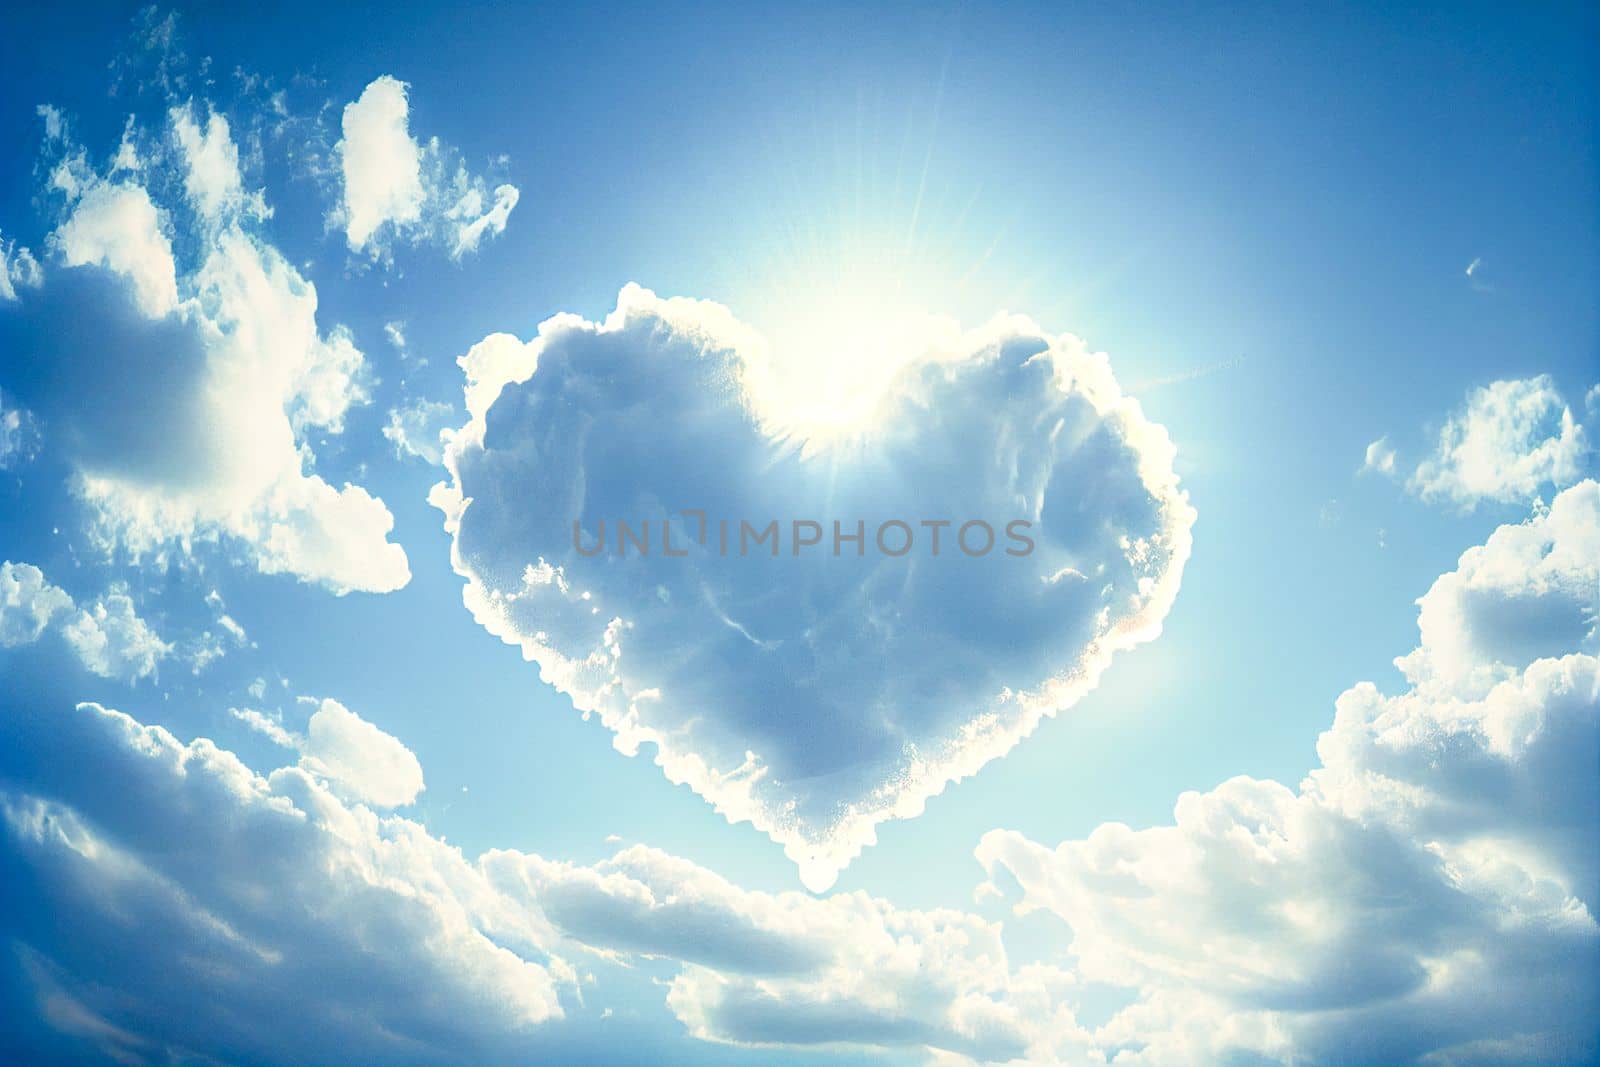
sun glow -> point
(863, 229)
(836, 345)
(834, 366)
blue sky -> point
(1345, 261)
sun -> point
(862, 239)
(837, 341)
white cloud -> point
(113, 641)
(203, 651)
(269, 726)
(1426, 895)
(211, 162)
(360, 759)
(28, 603)
(178, 864)
(1427, 892)
(155, 868)
(1475, 276)
(192, 421)
(108, 636)
(1511, 438)
(788, 969)
(54, 121)
(116, 225)
(395, 189)
(473, 221)
(18, 268)
(414, 429)
(819, 696)
(19, 434)
(227, 622)
(1380, 457)
(346, 752)
(157, 59)
(381, 165)
(1529, 591)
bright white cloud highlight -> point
(818, 696)
(116, 226)
(395, 189)
(211, 161)
(1511, 438)
(380, 163)
(1528, 592)
(360, 759)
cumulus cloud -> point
(813, 695)
(360, 759)
(179, 867)
(116, 225)
(187, 413)
(107, 636)
(1512, 438)
(137, 869)
(380, 163)
(1528, 592)
(395, 189)
(347, 753)
(112, 640)
(28, 603)
(788, 969)
(1426, 893)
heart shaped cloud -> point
(815, 689)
